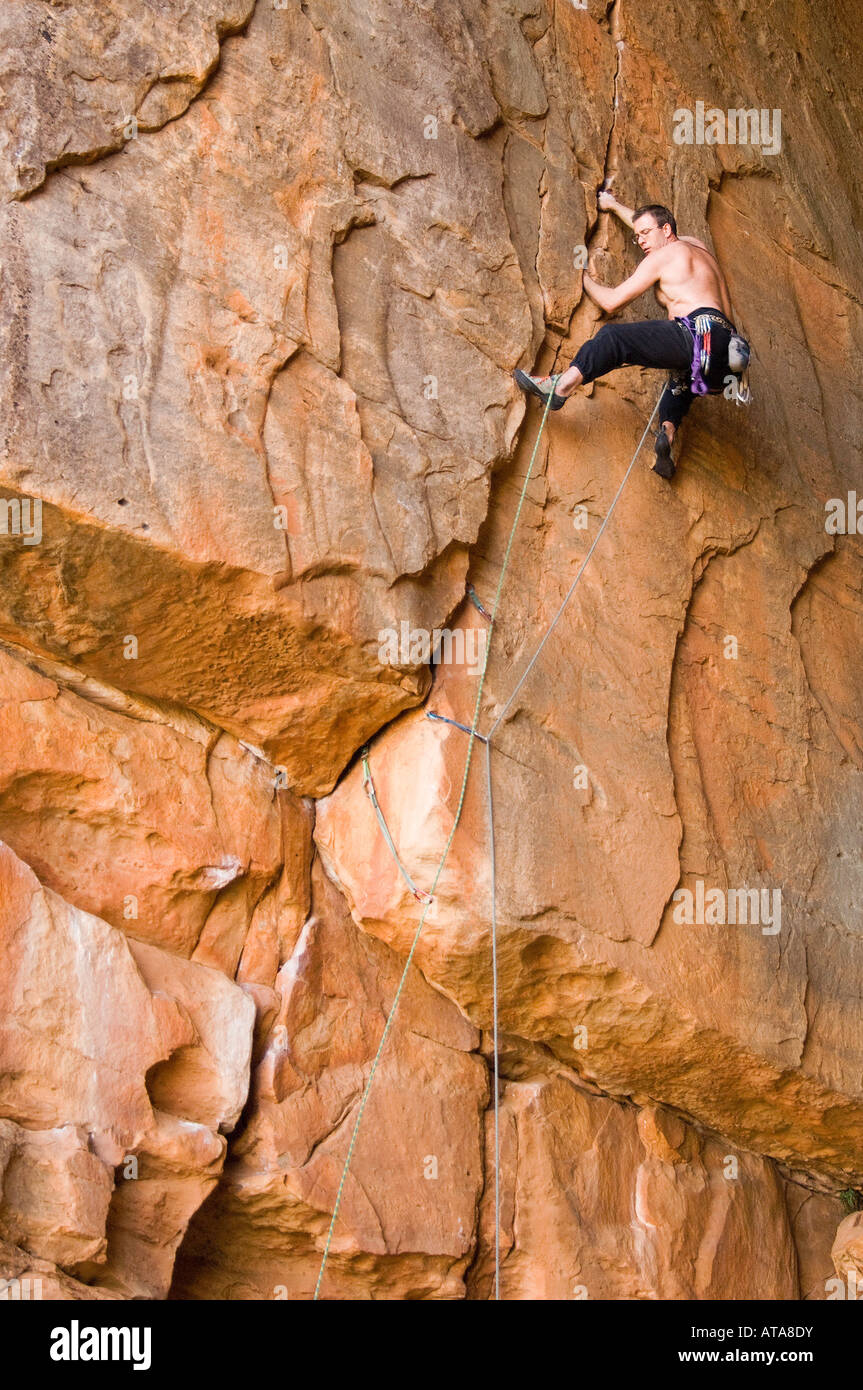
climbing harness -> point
(428, 898)
(698, 329)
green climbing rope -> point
(487, 740)
(440, 868)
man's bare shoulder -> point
(678, 252)
(693, 241)
(662, 255)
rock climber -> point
(699, 344)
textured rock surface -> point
(55, 1193)
(592, 1200)
(200, 836)
(258, 347)
(96, 1032)
(257, 1232)
(76, 76)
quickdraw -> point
(369, 787)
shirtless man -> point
(688, 284)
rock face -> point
(123, 1066)
(428, 1101)
(266, 272)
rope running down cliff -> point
(473, 734)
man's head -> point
(654, 226)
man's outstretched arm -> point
(609, 203)
(647, 274)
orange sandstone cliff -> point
(266, 272)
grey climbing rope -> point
(473, 731)
(495, 1024)
(487, 740)
(493, 861)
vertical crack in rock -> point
(609, 166)
(478, 1255)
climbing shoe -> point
(664, 465)
(539, 386)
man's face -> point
(647, 234)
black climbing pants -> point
(657, 343)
